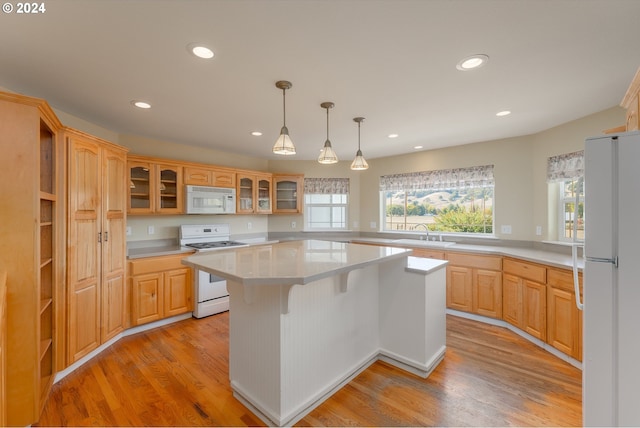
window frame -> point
(561, 201)
(308, 208)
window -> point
(569, 190)
(567, 171)
(326, 203)
(453, 200)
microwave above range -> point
(210, 200)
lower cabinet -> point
(161, 287)
(564, 319)
(474, 284)
(524, 296)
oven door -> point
(211, 295)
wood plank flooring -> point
(177, 375)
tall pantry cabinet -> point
(31, 249)
(96, 246)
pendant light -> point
(284, 145)
(327, 155)
(359, 163)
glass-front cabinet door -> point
(287, 191)
(169, 185)
(263, 198)
(141, 187)
(245, 194)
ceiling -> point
(390, 61)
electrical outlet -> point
(373, 224)
(249, 225)
(356, 225)
(538, 230)
(151, 230)
(506, 229)
(293, 225)
(129, 232)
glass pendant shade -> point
(327, 155)
(359, 163)
(284, 145)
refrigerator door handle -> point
(613, 261)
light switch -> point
(506, 229)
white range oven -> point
(210, 291)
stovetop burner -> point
(216, 244)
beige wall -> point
(522, 198)
(566, 138)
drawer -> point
(475, 261)
(156, 264)
(525, 270)
(562, 279)
(428, 254)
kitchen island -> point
(308, 316)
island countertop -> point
(291, 262)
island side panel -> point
(412, 317)
(286, 359)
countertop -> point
(291, 262)
(550, 258)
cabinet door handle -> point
(106, 236)
(99, 236)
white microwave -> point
(210, 200)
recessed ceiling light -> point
(392, 135)
(256, 133)
(417, 147)
(200, 51)
(471, 62)
(141, 104)
(503, 113)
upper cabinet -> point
(631, 103)
(253, 193)
(157, 186)
(287, 193)
(154, 187)
(209, 177)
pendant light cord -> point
(284, 108)
(327, 123)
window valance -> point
(568, 166)
(326, 185)
(477, 176)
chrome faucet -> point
(426, 236)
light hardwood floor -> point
(177, 376)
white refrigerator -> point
(611, 353)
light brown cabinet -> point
(287, 193)
(202, 176)
(525, 296)
(96, 250)
(564, 319)
(161, 287)
(154, 187)
(631, 102)
(253, 194)
(31, 250)
(474, 284)
(428, 253)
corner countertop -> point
(291, 262)
(563, 261)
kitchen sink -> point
(424, 243)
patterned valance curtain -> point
(477, 176)
(326, 185)
(568, 166)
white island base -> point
(292, 345)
